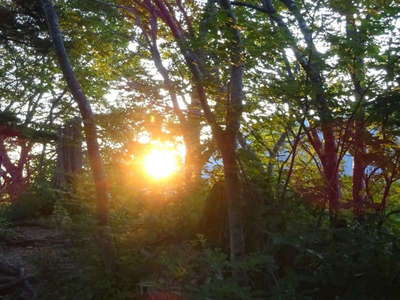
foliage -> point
(315, 261)
(314, 72)
(304, 258)
(37, 201)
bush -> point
(356, 261)
(37, 201)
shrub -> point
(37, 201)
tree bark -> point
(330, 167)
(189, 123)
(15, 183)
(104, 239)
(225, 138)
(85, 109)
(228, 149)
(69, 154)
(356, 72)
(359, 165)
(310, 60)
(233, 192)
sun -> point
(161, 163)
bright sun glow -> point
(160, 163)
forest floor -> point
(22, 248)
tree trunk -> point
(15, 183)
(189, 123)
(331, 171)
(233, 192)
(359, 166)
(193, 157)
(69, 154)
(225, 138)
(312, 66)
(104, 239)
(74, 86)
(356, 72)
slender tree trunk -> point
(359, 166)
(192, 157)
(233, 191)
(189, 124)
(194, 161)
(225, 138)
(15, 182)
(312, 66)
(69, 154)
(274, 153)
(74, 86)
(103, 236)
(228, 150)
(330, 167)
(356, 71)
